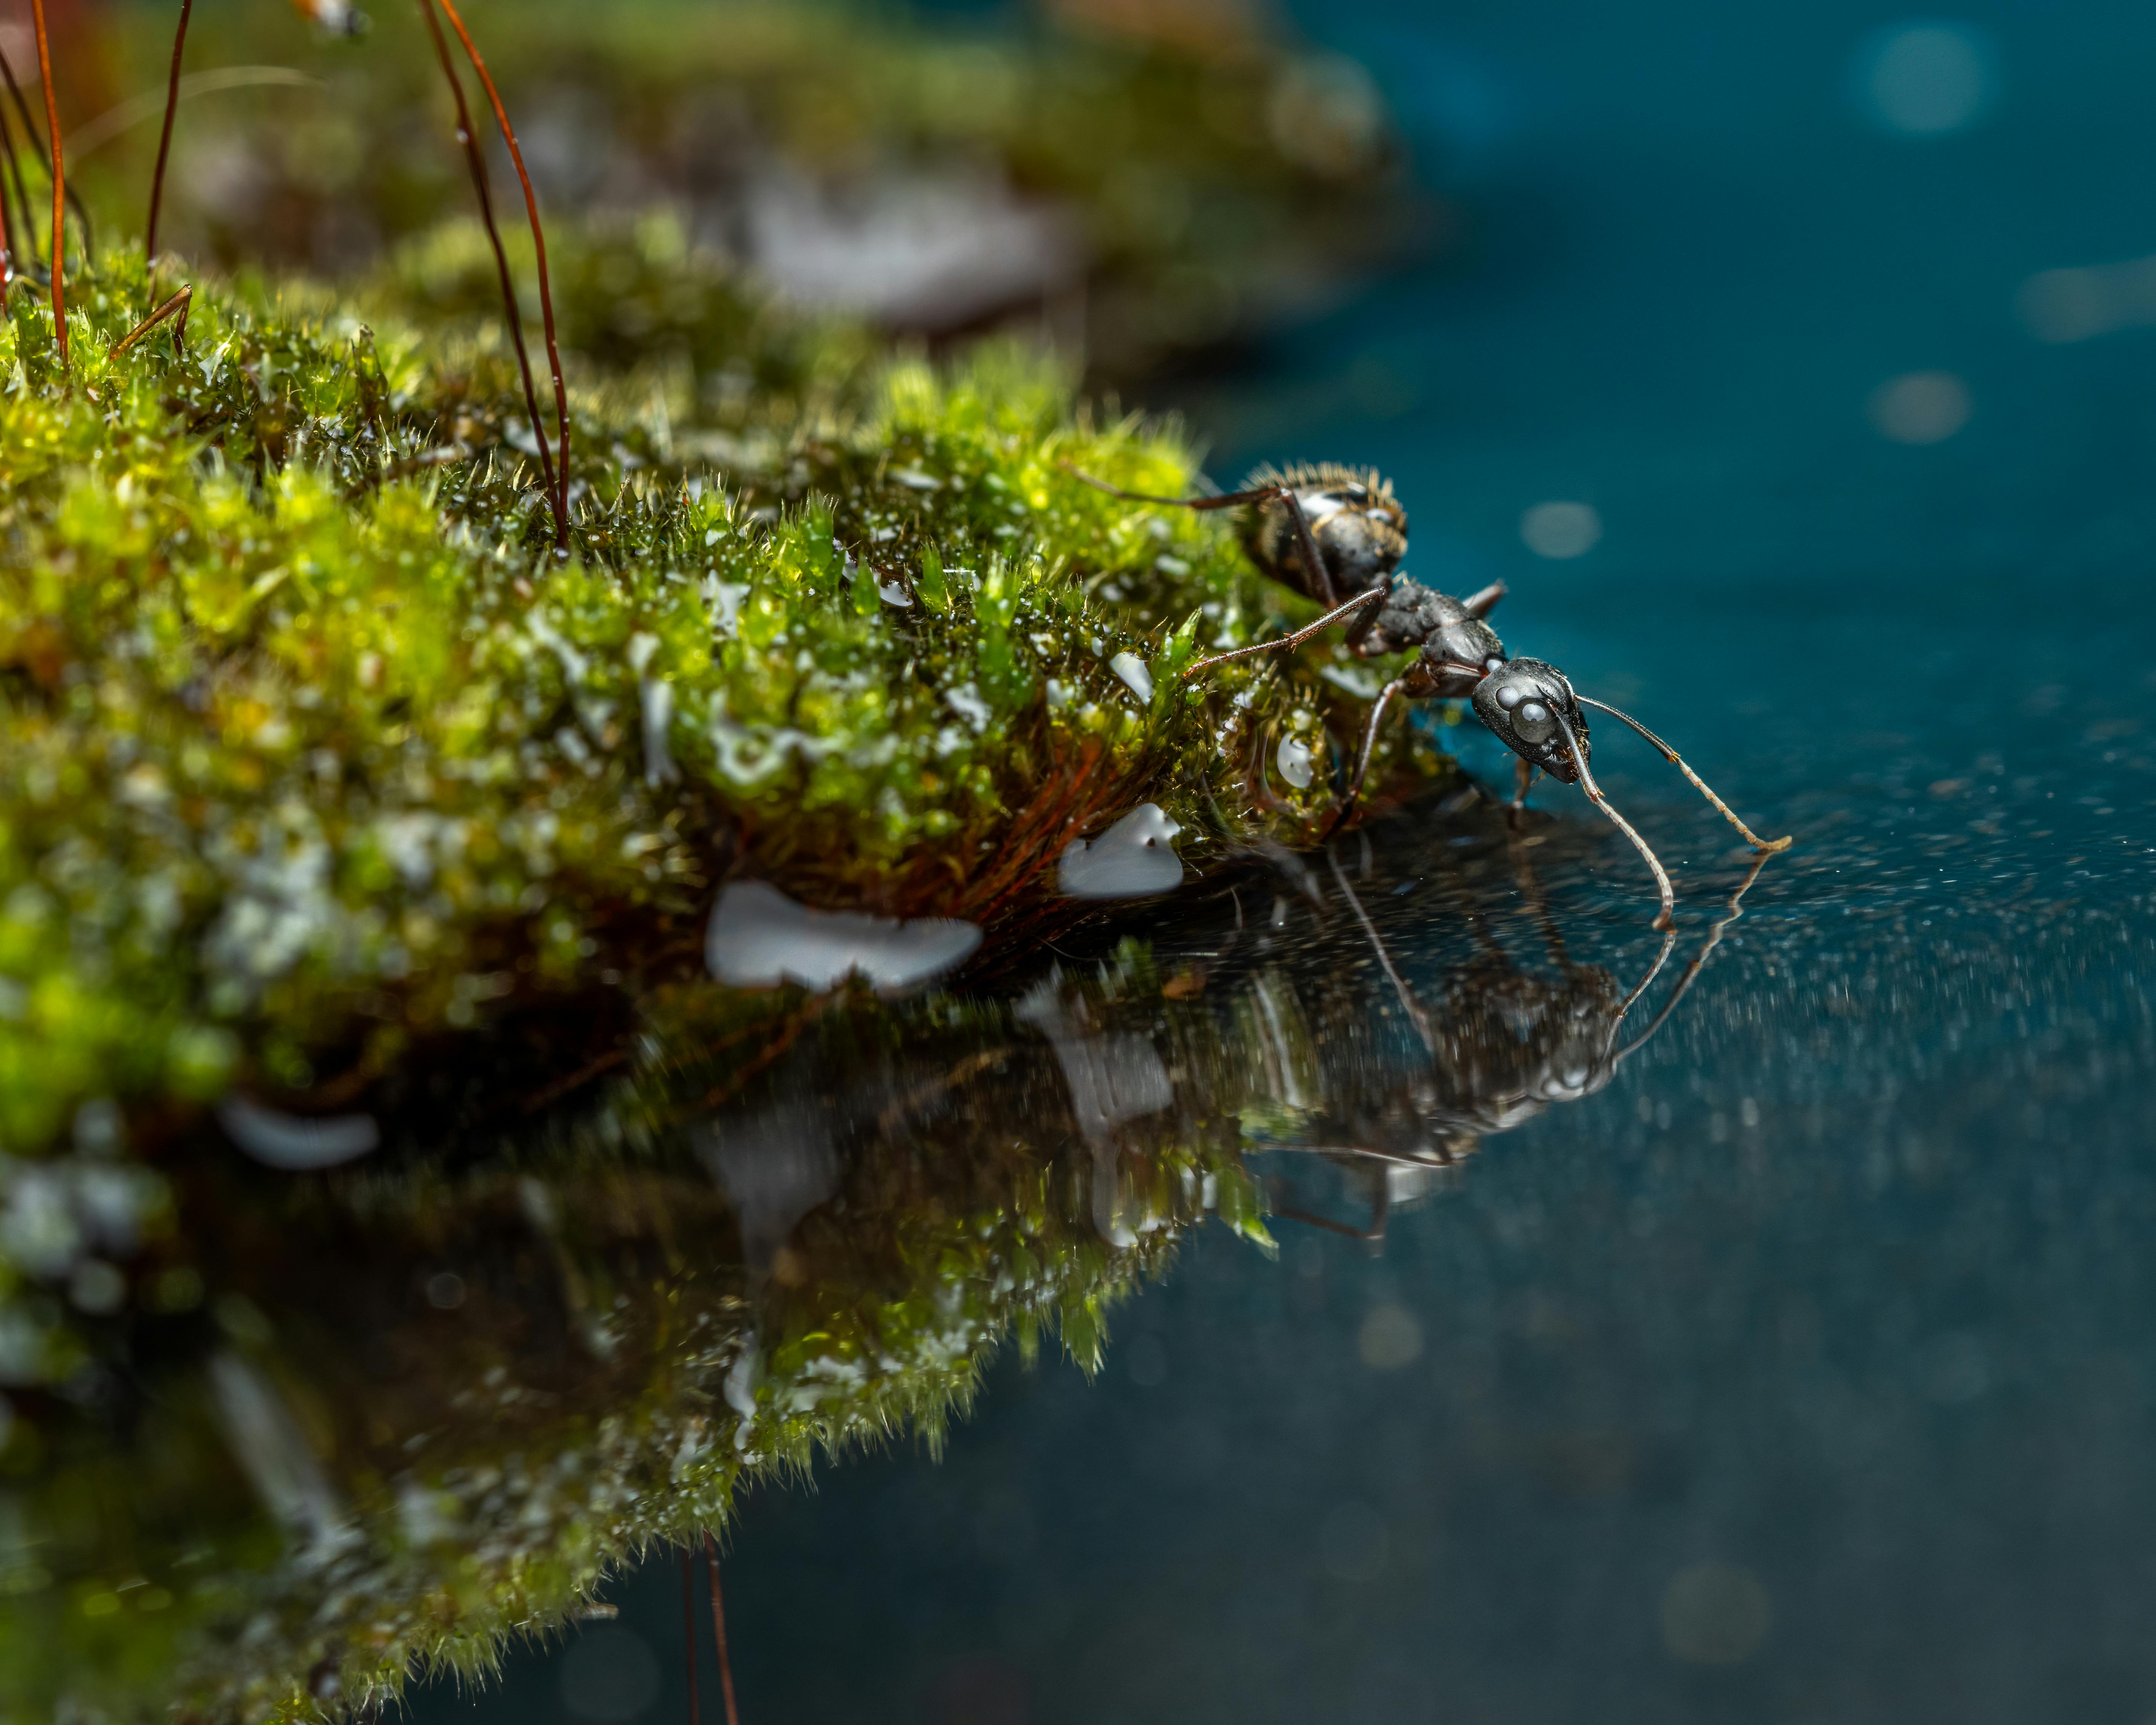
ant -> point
(1339, 535)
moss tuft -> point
(309, 748)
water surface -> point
(1805, 1370)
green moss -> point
(309, 747)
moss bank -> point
(309, 747)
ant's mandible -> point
(1339, 536)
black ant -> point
(1339, 535)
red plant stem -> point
(475, 158)
(165, 147)
(689, 1626)
(546, 289)
(719, 1627)
(59, 182)
(7, 207)
(37, 145)
(30, 250)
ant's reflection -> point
(1499, 1041)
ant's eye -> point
(1533, 721)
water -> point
(1806, 1370)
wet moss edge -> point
(309, 747)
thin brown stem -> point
(28, 250)
(174, 309)
(545, 288)
(8, 236)
(165, 145)
(60, 182)
(719, 1627)
(44, 162)
(475, 159)
(689, 1626)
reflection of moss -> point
(611, 1372)
(296, 1459)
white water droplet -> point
(1924, 80)
(1132, 670)
(758, 938)
(1923, 408)
(657, 697)
(1561, 530)
(1132, 859)
(1292, 758)
(296, 1144)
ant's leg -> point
(1531, 890)
(174, 309)
(1416, 1015)
(1311, 563)
(1295, 639)
(1438, 670)
(1481, 604)
(1292, 1213)
(1362, 758)
(1381, 1212)
(1523, 779)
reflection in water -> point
(1502, 1043)
(417, 1403)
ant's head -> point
(1357, 524)
(1522, 701)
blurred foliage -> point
(1150, 181)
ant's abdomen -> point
(1357, 525)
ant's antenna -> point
(1594, 795)
(1669, 754)
(1416, 1015)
